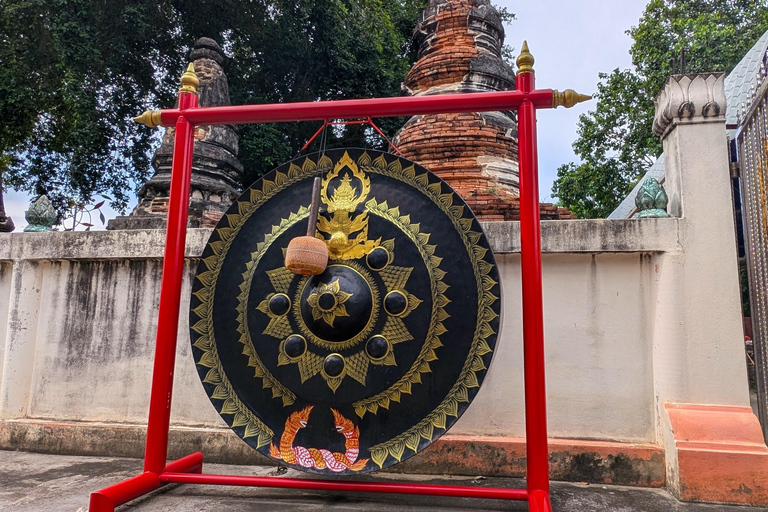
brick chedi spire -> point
(215, 167)
(459, 48)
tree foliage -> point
(615, 142)
(330, 50)
(74, 72)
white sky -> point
(571, 41)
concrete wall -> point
(81, 309)
(598, 360)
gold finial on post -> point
(150, 118)
(567, 98)
(189, 81)
(525, 60)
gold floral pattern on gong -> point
(327, 302)
(356, 365)
(345, 232)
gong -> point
(368, 363)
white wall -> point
(84, 351)
(598, 355)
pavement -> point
(31, 482)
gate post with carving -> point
(713, 444)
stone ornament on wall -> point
(651, 200)
(41, 215)
(6, 223)
(688, 98)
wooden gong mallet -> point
(308, 255)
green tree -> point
(331, 50)
(71, 75)
(615, 142)
(74, 72)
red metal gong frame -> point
(526, 100)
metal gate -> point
(752, 149)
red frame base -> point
(110, 497)
(188, 470)
(526, 100)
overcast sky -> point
(571, 41)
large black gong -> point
(368, 363)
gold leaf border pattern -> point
(260, 370)
(437, 419)
(439, 301)
(231, 405)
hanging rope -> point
(324, 138)
(323, 133)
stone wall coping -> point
(572, 236)
(130, 244)
(591, 236)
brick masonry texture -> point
(460, 51)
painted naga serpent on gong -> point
(322, 458)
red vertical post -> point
(170, 288)
(537, 474)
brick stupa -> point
(459, 44)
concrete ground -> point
(55, 483)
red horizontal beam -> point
(334, 485)
(374, 107)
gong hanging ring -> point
(369, 362)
